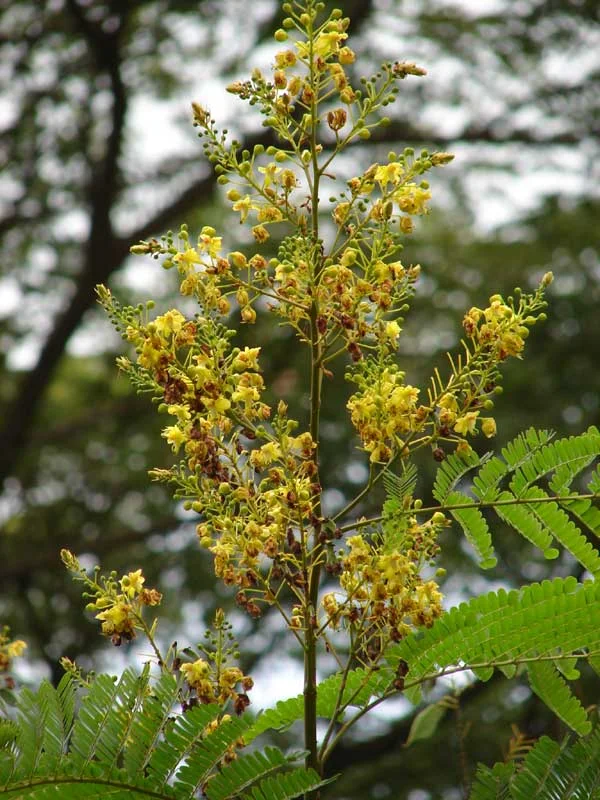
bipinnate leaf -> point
(555, 618)
(128, 741)
(550, 771)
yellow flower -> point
(16, 648)
(488, 427)
(182, 413)
(260, 233)
(466, 423)
(187, 259)
(244, 206)
(270, 171)
(196, 672)
(389, 173)
(269, 214)
(174, 436)
(238, 259)
(326, 44)
(247, 359)
(346, 55)
(221, 404)
(170, 322)
(209, 243)
(132, 583)
(265, 455)
(117, 619)
(392, 331)
(412, 198)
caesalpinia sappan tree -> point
(363, 591)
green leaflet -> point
(549, 772)
(509, 486)
(551, 619)
(550, 687)
(475, 528)
(128, 741)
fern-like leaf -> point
(242, 773)
(510, 485)
(492, 784)
(541, 621)
(451, 471)
(104, 721)
(550, 687)
(128, 742)
(475, 528)
(402, 486)
(549, 772)
(288, 786)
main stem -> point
(316, 375)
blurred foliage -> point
(513, 91)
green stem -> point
(512, 501)
(314, 570)
(440, 674)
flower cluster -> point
(386, 411)
(250, 484)
(120, 603)
(209, 678)
(251, 473)
(210, 688)
(9, 650)
(383, 594)
(500, 329)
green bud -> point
(139, 249)
(364, 133)
(280, 35)
(418, 504)
(280, 156)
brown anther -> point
(254, 610)
(241, 703)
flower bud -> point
(439, 159)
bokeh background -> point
(98, 151)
